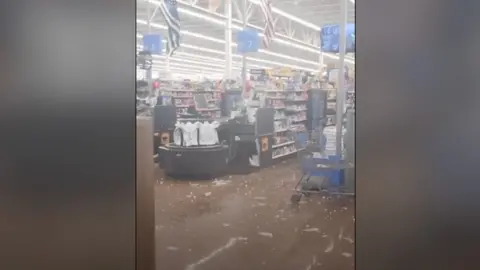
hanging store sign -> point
(153, 44)
(330, 38)
(248, 41)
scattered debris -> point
(172, 248)
(226, 225)
(266, 234)
(215, 253)
(312, 230)
(261, 204)
(346, 254)
(330, 246)
(260, 198)
(340, 235)
(220, 182)
(208, 194)
(314, 262)
(348, 239)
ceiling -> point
(202, 47)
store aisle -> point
(246, 222)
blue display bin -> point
(335, 176)
(302, 138)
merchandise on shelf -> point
(284, 151)
(285, 92)
(181, 94)
(330, 135)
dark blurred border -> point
(67, 125)
(417, 134)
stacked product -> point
(195, 134)
(181, 95)
(285, 92)
(331, 107)
(330, 135)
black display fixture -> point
(317, 109)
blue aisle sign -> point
(248, 41)
(330, 41)
(153, 44)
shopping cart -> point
(320, 173)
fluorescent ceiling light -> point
(285, 41)
(191, 67)
(190, 62)
(220, 41)
(290, 17)
(185, 72)
(203, 59)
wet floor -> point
(247, 222)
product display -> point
(285, 94)
(182, 95)
(195, 134)
(330, 135)
(284, 90)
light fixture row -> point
(285, 40)
(263, 61)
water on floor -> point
(247, 222)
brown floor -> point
(247, 223)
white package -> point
(208, 133)
(190, 135)
(178, 133)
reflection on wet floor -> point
(243, 222)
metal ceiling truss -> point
(200, 22)
(285, 26)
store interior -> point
(246, 112)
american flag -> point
(269, 31)
(170, 14)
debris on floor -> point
(348, 239)
(266, 234)
(200, 229)
(217, 182)
(330, 246)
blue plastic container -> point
(302, 138)
(336, 177)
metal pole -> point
(244, 56)
(148, 73)
(228, 40)
(341, 76)
(320, 59)
(167, 67)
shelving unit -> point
(181, 96)
(290, 105)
